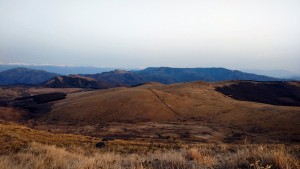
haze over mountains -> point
(278, 73)
(117, 78)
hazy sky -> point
(237, 34)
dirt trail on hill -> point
(169, 107)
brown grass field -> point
(26, 148)
(187, 125)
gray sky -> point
(237, 34)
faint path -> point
(167, 105)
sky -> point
(236, 34)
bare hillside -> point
(220, 117)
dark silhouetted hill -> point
(276, 93)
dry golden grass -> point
(16, 137)
(204, 158)
(48, 156)
(24, 148)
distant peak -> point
(81, 77)
(23, 69)
(119, 71)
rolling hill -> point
(167, 102)
(185, 104)
(24, 76)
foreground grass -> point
(49, 156)
(14, 138)
(24, 148)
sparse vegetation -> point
(14, 138)
(252, 157)
(27, 148)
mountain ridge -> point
(214, 74)
(124, 78)
(76, 81)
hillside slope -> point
(186, 104)
(118, 104)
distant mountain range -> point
(169, 75)
(24, 76)
(117, 78)
(67, 70)
(63, 70)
